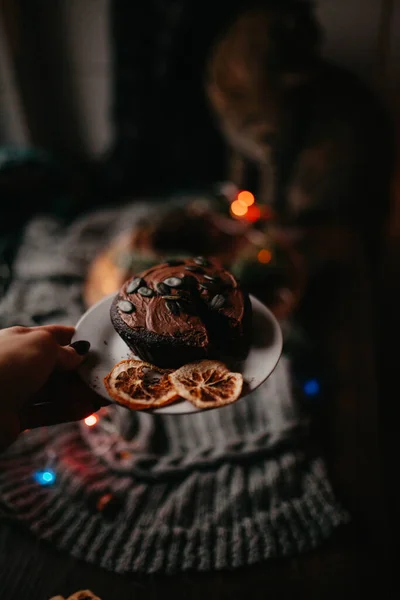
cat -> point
(319, 137)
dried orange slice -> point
(207, 383)
(140, 385)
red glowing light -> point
(264, 256)
(253, 213)
(91, 420)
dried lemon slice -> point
(140, 385)
(207, 384)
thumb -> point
(70, 357)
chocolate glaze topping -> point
(192, 297)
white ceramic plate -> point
(107, 349)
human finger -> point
(61, 333)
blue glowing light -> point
(311, 387)
(45, 477)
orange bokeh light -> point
(91, 420)
(238, 209)
(246, 198)
(264, 256)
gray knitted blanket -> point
(143, 493)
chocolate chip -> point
(126, 307)
(134, 285)
(162, 289)
(145, 291)
(212, 278)
(217, 302)
(173, 282)
(200, 260)
(194, 269)
(173, 307)
(174, 262)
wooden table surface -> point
(340, 313)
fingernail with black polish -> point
(81, 347)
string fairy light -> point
(253, 213)
(311, 387)
(238, 209)
(246, 198)
(46, 477)
(91, 420)
(244, 207)
(264, 256)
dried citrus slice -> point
(207, 383)
(140, 385)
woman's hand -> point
(38, 382)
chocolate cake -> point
(183, 310)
